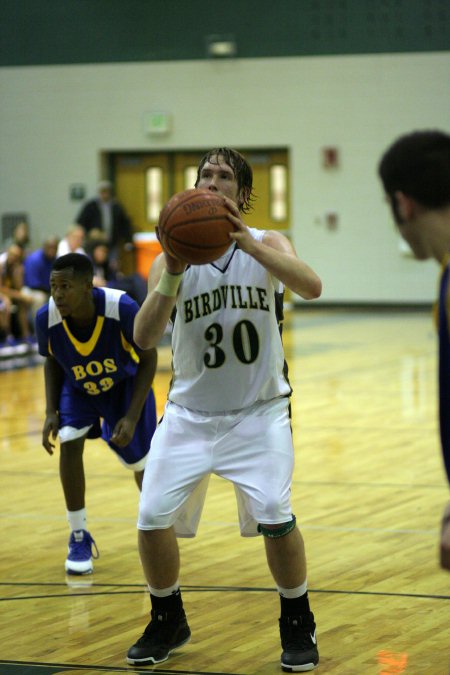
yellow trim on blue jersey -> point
(85, 348)
(129, 348)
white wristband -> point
(169, 283)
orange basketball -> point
(194, 227)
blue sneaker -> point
(13, 347)
(32, 343)
(79, 558)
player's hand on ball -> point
(445, 539)
(240, 235)
(174, 265)
(194, 227)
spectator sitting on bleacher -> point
(6, 337)
(107, 274)
(98, 251)
(73, 242)
(11, 286)
(38, 265)
(20, 236)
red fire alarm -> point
(330, 157)
(332, 220)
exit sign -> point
(157, 123)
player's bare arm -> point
(445, 539)
(53, 374)
(154, 314)
(124, 429)
(278, 256)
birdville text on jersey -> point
(231, 297)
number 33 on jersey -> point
(83, 355)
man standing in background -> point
(106, 214)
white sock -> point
(164, 592)
(291, 593)
(77, 520)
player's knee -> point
(72, 449)
(139, 477)
(145, 519)
(148, 516)
(279, 530)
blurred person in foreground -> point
(415, 172)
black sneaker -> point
(298, 640)
(165, 633)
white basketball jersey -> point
(226, 343)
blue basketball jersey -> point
(93, 363)
(99, 365)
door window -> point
(154, 192)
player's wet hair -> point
(418, 164)
(79, 263)
(241, 169)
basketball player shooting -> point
(227, 413)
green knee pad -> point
(281, 531)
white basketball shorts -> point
(252, 448)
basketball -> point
(194, 227)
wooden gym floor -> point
(368, 492)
